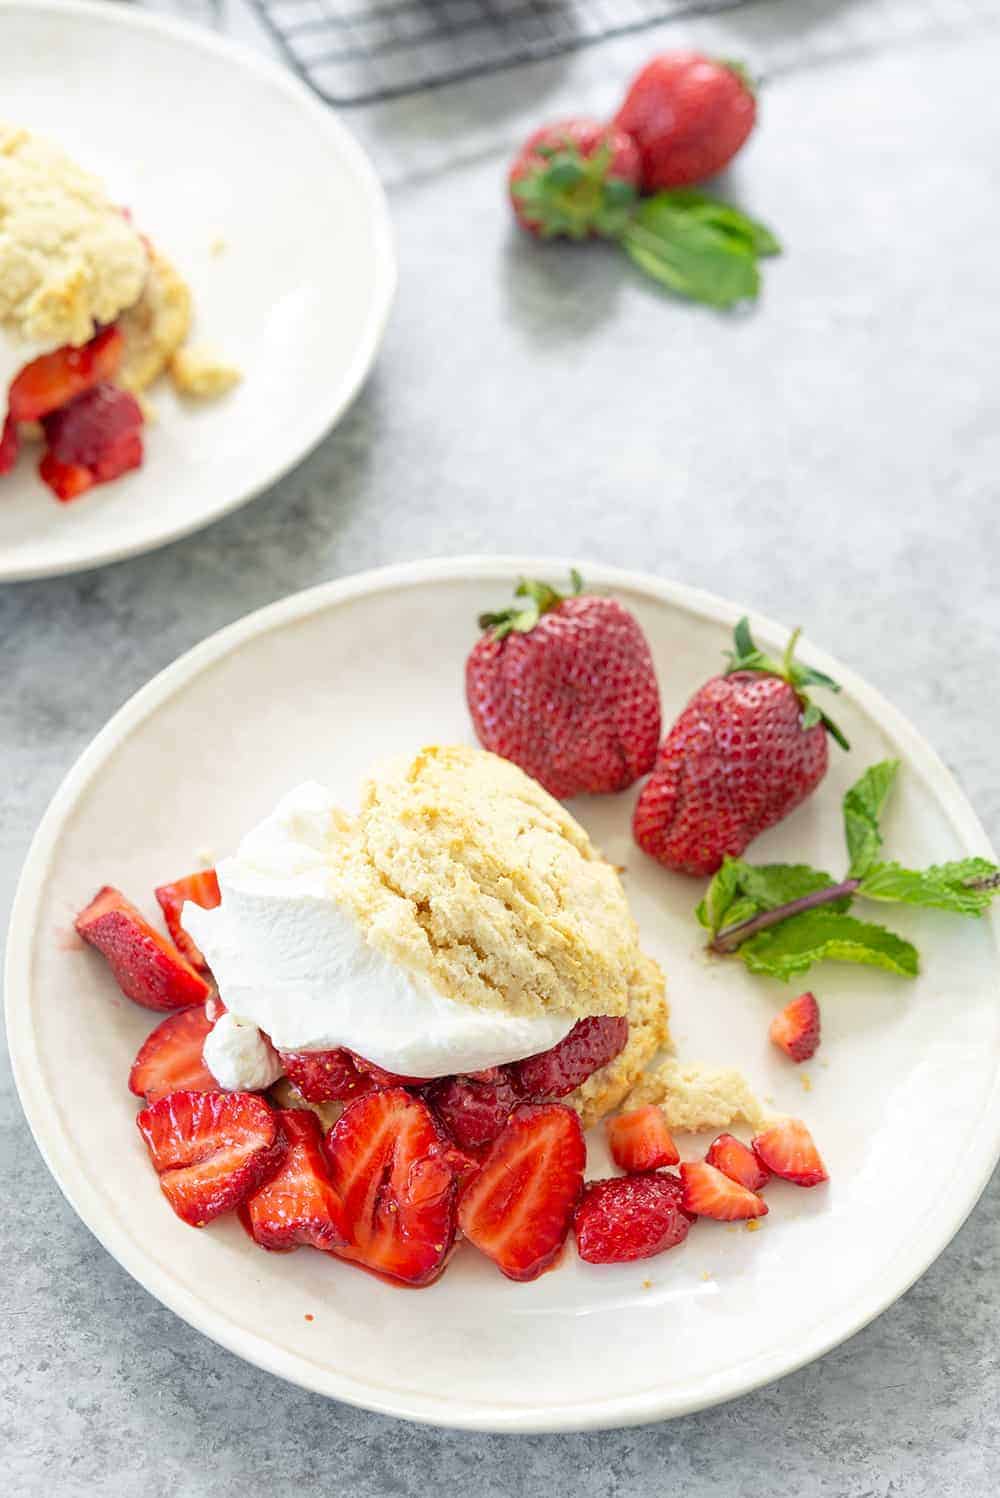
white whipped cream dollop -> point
(238, 1056)
(290, 959)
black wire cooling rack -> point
(366, 51)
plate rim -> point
(384, 258)
(437, 1410)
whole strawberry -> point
(747, 749)
(574, 179)
(565, 687)
(688, 114)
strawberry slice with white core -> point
(201, 889)
(630, 1217)
(796, 1029)
(170, 1058)
(397, 1177)
(210, 1149)
(53, 380)
(787, 1150)
(148, 968)
(518, 1208)
(640, 1140)
(737, 1161)
(709, 1193)
(298, 1205)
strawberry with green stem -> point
(750, 746)
(575, 179)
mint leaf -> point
(789, 949)
(708, 256)
(772, 884)
(863, 805)
(713, 911)
(944, 886)
(726, 219)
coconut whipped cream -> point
(291, 960)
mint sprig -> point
(698, 246)
(781, 918)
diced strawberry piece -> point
(9, 444)
(147, 967)
(170, 1059)
(57, 378)
(640, 1140)
(737, 1161)
(474, 1109)
(66, 480)
(630, 1217)
(517, 1209)
(298, 1205)
(709, 1193)
(787, 1150)
(382, 1078)
(591, 1044)
(796, 1029)
(397, 1178)
(100, 431)
(210, 1149)
(201, 889)
(325, 1076)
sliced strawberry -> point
(9, 444)
(591, 1044)
(57, 378)
(148, 968)
(201, 889)
(630, 1217)
(517, 1209)
(210, 1149)
(99, 432)
(796, 1029)
(640, 1140)
(214, 1007)
(298, 1204)
(709, 1193)
(325, 1076)
(474, 1109)
(397, 1178)
(383, 1078)
(170, 1059)
(737, 1161)
(66, 480)
(788, 1151)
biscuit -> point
(695, 1097)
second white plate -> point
(905, 1090)
(271, 211)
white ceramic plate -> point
(207, 144)
(904, 1099)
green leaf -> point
(787, 950)
(863, 805)
(708, 255)
(741, 890)
(714, 909)
(944, 886)
(726, 219)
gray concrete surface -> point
(831, 457)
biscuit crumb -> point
(753, 1225)
(206, 857)
(806, 1081)
(696, 1097)
(706, 1274)
(647, 1284)
(218, 245)
(150, 414)
(197, 371)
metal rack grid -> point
(366, 51)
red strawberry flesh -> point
(170, 1059)
(573, 700)
(574, 178)
(397, 1179)
(298, 1205)
(737, 1161)
(517, 1209)
(147, 967)
(787, 1150)
(55, 379)
(210, 1149)
(591, 1044)
(99, 432)
(689, 115)
(9, 445)
(640, 1140)
(796, 1029)
(201, 889)
(326, 1076)
(709, 1193)
(474, 1109)
(630, 1217)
